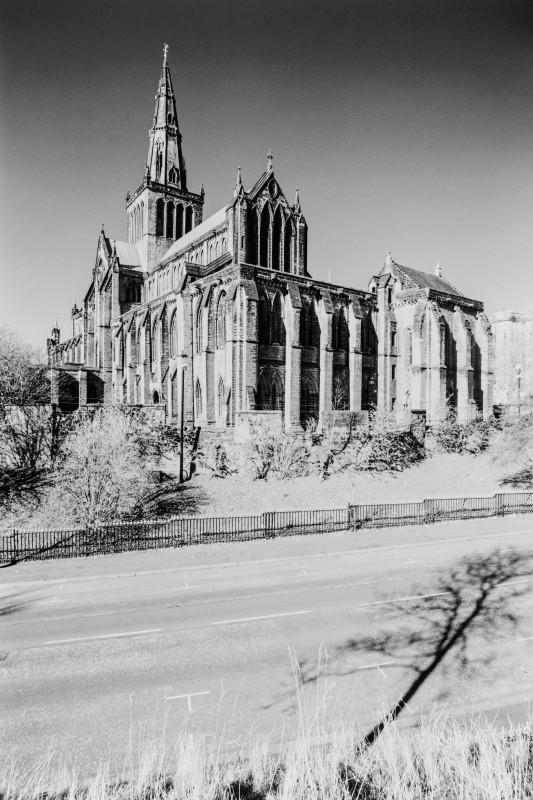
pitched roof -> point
(425, 280)
(204, 227)
(126, 252)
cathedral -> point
(217, 321)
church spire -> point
(165, 164)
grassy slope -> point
(438, 476)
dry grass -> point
(441, 475)
(440, 760)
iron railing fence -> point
(153, 534)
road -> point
(98, 652)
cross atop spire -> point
(165, 52)
(270, 158)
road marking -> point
(188, 696)
(403, 599)
(264, 616)
(376, 666)
(525, 639)
(53, 600)
(102, 636)
(305, 572)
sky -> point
(407, 125)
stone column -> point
(249, 347)
(355, 356)
(293, 358)
(465, 411)
(325, 389)
(484, 339)
(436, 389)
(419, 362)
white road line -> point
(525, 639)
(376, 666)
(102, 636)
(402, 599)
(188, 696)
(264, 616)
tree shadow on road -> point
(475, 600)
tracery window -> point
(159, 216)
(173, 335)
(220, 321)
(198, 329)
(198, 397)
(277, 325)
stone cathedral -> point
(220, 320)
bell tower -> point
(162, 209)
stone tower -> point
(162, 209)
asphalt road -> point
(97, 654)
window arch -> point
(308, 399)
(408, 336)
(264, 318)
(220, 321)
(224, 245)
(179, 221)
(309, 327)
(159, 216)
(170, 220)
(253, 235)
(173, 335)
(159, 160)
(277, 325)
(276, 239)
(443, 342)
(173, 175)
(264, 235)
(198, 397)
(340, 333)
(220, 397)
(154, 344)
(287, 246)
(188, 219)
(198, 328)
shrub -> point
(283, 454)
(103, 474)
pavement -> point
(263, 637)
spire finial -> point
(165, 53)
(297, 201)
(102, 228)
(238, 185)
(270, 158)
(438, 270)
(388, 260)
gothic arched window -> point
(340, 333)
(276, 239)
(198, 329)
(220, 397)
(220, 321)
(253, 235)
(170, 220)
(198, 397)
(277, 325)
(159, 217)
(154, 342)
(287, 249)
(179, 221)
(264, 318)
(188, 219)
(309, 327)
(408, 336)
(173, 335)
(264, 235)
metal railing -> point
(153, 534)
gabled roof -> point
(427, 280)
(186, 241)
(127, 253)
(416, 279)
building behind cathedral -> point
(221, 317)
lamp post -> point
(518, 368)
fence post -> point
(269, 528)
(353, 517)
(500, 508)
(429, 510)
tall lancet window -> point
(159, 160)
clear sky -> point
(406, 124)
